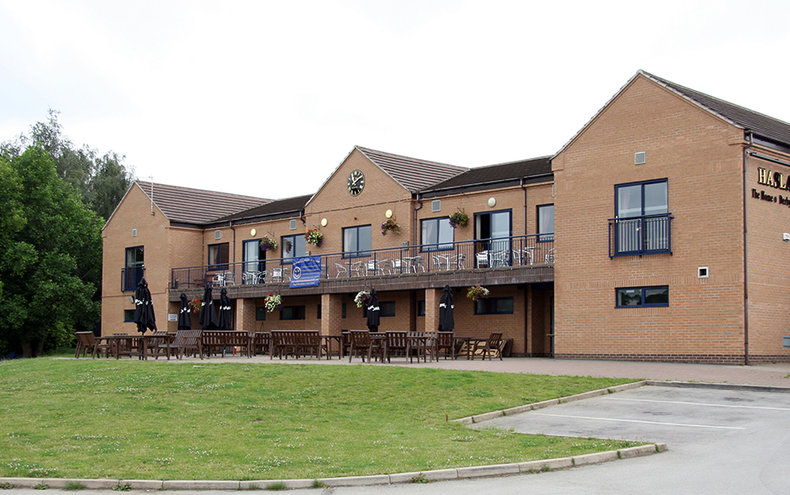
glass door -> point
(492, 233)
(253, 262)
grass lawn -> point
(158, 420)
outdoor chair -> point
(492, 346)
(550, 257)
(184, 342)
(360, 345)
(397, 343)
(445, 344)
(482, 259)
(341, 270)
(261, 341)
(87, 342)
(420, 344)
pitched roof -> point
(411, 173)
(760, 124)
(273, 209)
(496, 175)
(195, 206)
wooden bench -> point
(212, 341)
(296, 343)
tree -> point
(100, 179)
(50, 242)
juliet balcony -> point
(509, 260)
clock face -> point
(356, 182)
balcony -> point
(638, 236)
(422, 265)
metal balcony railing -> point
(637, 236)
(516, 251)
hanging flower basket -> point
(314, 237)
(273, 302)
(476, 292)
(459, 219)
(361, 298)
(268, 243)
(390, 225)
(194, 306)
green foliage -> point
(50, 244)
(279, 485)
(73, 486)
(113, 419)
(123, 487)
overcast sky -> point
(267, 98)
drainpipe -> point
(233, 256)
(415, 224)
(745, 257)
(524, 188)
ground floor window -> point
(420, 308)
(387, 308)
(260, 313)
(494, 306)
(630, 297)
(292, 313)
(128, 315)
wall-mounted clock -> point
(356, 182)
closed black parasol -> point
(208, 318)
(374, 312)
(184, 318)
(224, 311)
(144, 308)
(446, 307)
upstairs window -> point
(293, 246)
(134, 268)
(642, 221)
(437, 234)
(218, 256)
(545, 223)
(357, 241)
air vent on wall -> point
(292, 224)
(217, 234)
(436, 205)
(134, 232)
(640, 158)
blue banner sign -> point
(305, 272)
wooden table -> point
(326, 343)
(470, 343)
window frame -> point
(219, 265)
(545, 236)
(388, 305)
(126, 285)
(287, 260)
(487, 301)
(436, 246)
(642, 234)
(297, 309)
(357, 253)
(642, 301)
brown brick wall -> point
(695, 152)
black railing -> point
(637, 236)
(525, 251)
(130, 277)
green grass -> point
(158, 420)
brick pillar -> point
(432, 297)
(331, 314)
(245, 315)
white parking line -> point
(706, 404)
(639, 421)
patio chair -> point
(87, 342)
(420, 344)
(278, 274)
(261, 341)
(445, 344)
(492, 346)
(341, 269)
(184, 342)
(360, 345)
(397, 343)
(550, 257)
(482, 259)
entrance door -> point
(254, 266)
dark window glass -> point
(128, 315)
(387, 308)
(437, 234)
(134, 269)
(420, 308)
(292, 313)
(494, 306)
(546, 223)
(343, 310)
(218, 256)
(630, 297)
(641, 211)
(293, 246)
(253, 262)
(357, 241)
(260, 313)
(318, 312)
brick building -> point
(671, 213)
